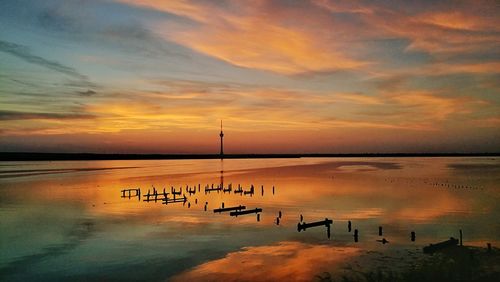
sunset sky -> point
(146, 76)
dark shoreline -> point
(28, 156)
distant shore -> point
(33, 156)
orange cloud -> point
(431, 107)
(461, 20)
(250, 38)
(197, 106)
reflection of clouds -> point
(352, 195)
(55, 243)
(286, 261)
(393, 196)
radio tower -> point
(221, 141)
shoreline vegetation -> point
(456, 263)
(36, 156)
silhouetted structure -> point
(439, 246)
(238, 208)
(356, 234)
(129, 191)
(250, 192)
(349, 226)
(383, 241)
(413, 236)
(380, 231)
(167, 201)
(327, 222)
(236, 213)
(221, 141)
(174, 192)
(239, 190)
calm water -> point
(67, 220)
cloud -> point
(24, 53)
(15, 115)
(442, 30)
(248, 37)
(431, 107)
(327, 36)
(359, 98)
(87, 93)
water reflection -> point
(76, 223)
(285, 261)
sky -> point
(312, 76)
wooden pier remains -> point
(167, 201)
(137, 192)
(191, 191)
(440, 246)
(249, 192)
(303, 226)
(207, 189)
(155, 195)
(238, 208)
(174, 192)
(236, 213)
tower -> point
(221, 141)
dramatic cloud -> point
(251, 38)
(336, 75)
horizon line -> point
(50, 156)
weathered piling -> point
(167, 201)
(383, 241)
(243, 212)
(137, 192)
(250, 192)
(238, 208)
(441, 245)
(304, 226)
